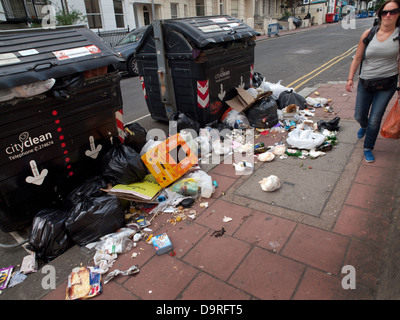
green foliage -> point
(72, 17)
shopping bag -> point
(391, 126)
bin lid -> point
(209, 29)
(29, 55)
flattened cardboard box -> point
(170, 160)
(245, 100)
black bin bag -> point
(91, 187)
(48, 235)
(123, 165)
(290, 97)
(135, 136)
(263, 114)
(93, 218)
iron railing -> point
(112, 37)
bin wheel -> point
(132, 66)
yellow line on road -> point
(327, 65)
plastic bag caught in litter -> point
(17, 278)
(276, 88)
(204, 181)
(305, 139)
(186, 187)
(317, 102)
(132, 270)
(270, 183)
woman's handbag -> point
(391, 126)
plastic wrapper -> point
(48, 234)
(132, 270)
(34, 88)
(123, 165)
(305, 139)
(204, 182)
(17, 278)
(29, 264)
(93, 218)
(5, 276)
(135, 136)
(186, 187)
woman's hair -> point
(379, 12)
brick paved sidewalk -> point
(266, 256)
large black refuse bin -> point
(208, 57)
(52, 141)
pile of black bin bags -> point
(264, 113)
(88, 213)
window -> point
(174, 10)
(119, 14)
(234, 8)
(93, 14)
(200, 10)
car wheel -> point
(132, 66)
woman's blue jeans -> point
(370, 108)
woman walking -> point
(378, 61)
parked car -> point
(296, 21)
(126, 48)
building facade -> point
(103, 15)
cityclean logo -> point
(28, 145)
(222, 75)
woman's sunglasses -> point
(392, 12)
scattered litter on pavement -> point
(218, 233)
(162, 244)
(132, 270)
(111, 213)
(5, 276)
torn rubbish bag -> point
(263, 114)
(95, 217)
(48, 235)
(123, 165)
(289, 97)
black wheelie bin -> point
(60, 111)
(207, 57)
